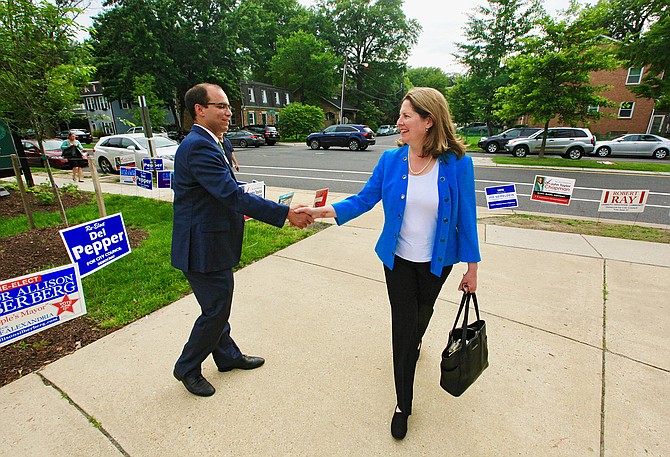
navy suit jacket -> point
(209, 207)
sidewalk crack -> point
(92, 420)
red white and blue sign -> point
(498, 197)
(35, 302)
(95, 244)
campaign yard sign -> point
(127, 175)
(320, 197)
(164, 179)
(498, 197)
(623, 201)
(286, 199)
(147, 166)
(94, 244)
(552, 190)
(35, 302)
(144, 179)
(255, 187)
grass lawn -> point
(144, 280)
(653, 166)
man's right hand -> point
(300, 220)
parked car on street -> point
(269, 132)
(140, 129)
(635, 145)
(51, 149)
(570, 142)
(128, 149)
(352, 136)
(177, 135)
(385, 130)
(245, 138)
(473, 128)
(83, 136)
(496, 143)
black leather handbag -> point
(466, 355)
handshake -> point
(302, 215)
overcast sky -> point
(442, 22)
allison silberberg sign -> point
(35, 302)
(94, 244)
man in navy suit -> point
(209, 210)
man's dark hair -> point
(197, 95)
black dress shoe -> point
(245, 363)
(197, 384)
(399, 425)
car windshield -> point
(512, 133)
(160, 142)
(52, 144)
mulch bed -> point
(36, 250)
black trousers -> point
(211, 331)
(412, 291)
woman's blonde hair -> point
(430, 103)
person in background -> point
(209, 209)
(427, 188)
(73, 151)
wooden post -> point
(96, 185)
(22, 189)
(54, 189)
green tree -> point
(305, 66)
(494, 33)
(461, 104)
(42, 67)
(431, 77)
(300, 120)
(376, 37)
(144, 86)
(369, 114)
(551, 76)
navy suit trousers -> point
(211, 331)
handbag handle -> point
(465, 303)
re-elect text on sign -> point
(94, 244)
(35, 302)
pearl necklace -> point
(409, 165)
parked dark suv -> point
(497, 143)
(269, 132)
(352, 136)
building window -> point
(594, 109)
(90, 105)
(251, 118)
(264, 96)
(264, 118)
(626, 110)
(125, 104)
(250, 92)
(277, 101)
(634, 75)
(287, 100)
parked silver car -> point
(635, 144)
(128, 150)
(570, 142)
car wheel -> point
(574, 154)
(520, 151)
(243, 143)
(326, 147)
(492, 147)
(660, 154)
(354, 146)
(105, 166)
(314, 144)
(364, 147)
(603, 151)
(270, 143)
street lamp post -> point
(344, 74)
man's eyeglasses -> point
(220, 105)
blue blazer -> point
(209, 207)
(456, 233)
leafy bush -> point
(300, 120)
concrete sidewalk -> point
(318, 312)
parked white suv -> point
(570, 142)
(128, 149)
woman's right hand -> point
(318, 213)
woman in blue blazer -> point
(427, 189)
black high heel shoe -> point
(399, 425)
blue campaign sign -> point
(127, 175)
(164, 179)
(146, 164)
(498, 197)
(94, 244)
(144, 179)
